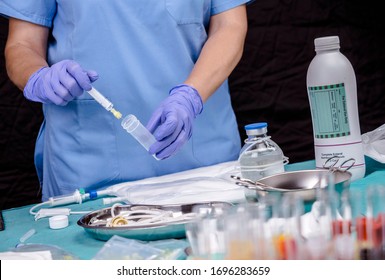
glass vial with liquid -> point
(332, 92)
(260, 156)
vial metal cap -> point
(327, 43)
(256, 128)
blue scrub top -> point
(141, 49)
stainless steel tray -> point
(96, 223)
(302, 182)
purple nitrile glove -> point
(60, 83)
(172, 122)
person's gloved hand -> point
(172, 122)
(59, 83)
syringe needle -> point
(106, 104)
(116, 113)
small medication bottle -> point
(260, 156)
(332, 92)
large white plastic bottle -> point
(332, 91)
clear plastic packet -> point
(121, 248)
(374, 144)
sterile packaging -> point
(374, 144)
(120, 248)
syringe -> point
(107, 104)
(129, 123)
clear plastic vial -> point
(260, 156)
(332, 92)
(133, 126)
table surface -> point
(74, 239)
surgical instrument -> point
(331, 163)
(244, 182)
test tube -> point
(133, 126)
(239, 233)
(344, 240)
(319, 240)
(290, 243)
(371, 229)
(206, 233)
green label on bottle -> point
(329, 111)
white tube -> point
(111, 200)
(100, 99)
(104, 192)
(27, 235)
(133, 126)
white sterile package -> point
(38, 255)
(204, 184)
(374, 144)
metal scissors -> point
(331, 163)
(251, 184)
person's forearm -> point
(25, 54)
(221, 53)
(21, 64)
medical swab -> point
(106, 104)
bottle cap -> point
(58, 221)
(327, 43)
(256, 128)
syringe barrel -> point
(133, 126)
(101, 99)
(76, 197)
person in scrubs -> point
(164, 61)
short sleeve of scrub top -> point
(40, 12)
(219, 6)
